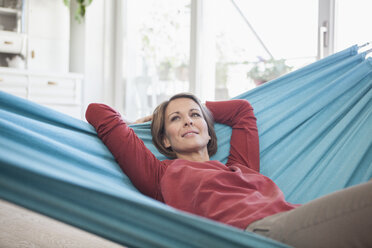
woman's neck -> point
(202, 156)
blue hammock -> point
(315, 127)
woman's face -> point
(186, 130)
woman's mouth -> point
(189, 133)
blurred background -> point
(134, 54)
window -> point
(220, 49)
(158, 38)
(257, 41)
(352, 23)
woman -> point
(236, 193)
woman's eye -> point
(195, 115)
(174, 118)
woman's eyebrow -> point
(177, 112)
(193, 109)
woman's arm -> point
(136, 161)
(244, 139)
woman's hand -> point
(143, 120)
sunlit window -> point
(158, 53)
(352, 23)
(243, 44)
(257, 41)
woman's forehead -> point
(181, 105)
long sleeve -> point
(136, 161)
(244, 141)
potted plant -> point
(182, 72)
(164, 69)
(81, 8)
(266, 70)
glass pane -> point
(257, 41)
(353, 23)
(157, 60)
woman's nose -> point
(188, 122)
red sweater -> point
(235, 194)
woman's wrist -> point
(143, 119)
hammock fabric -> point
(315, 127)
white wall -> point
(89, 43)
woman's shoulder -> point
(95, 110)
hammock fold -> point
(315, 128)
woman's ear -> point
(166, 142)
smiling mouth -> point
(188, 133)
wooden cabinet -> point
(11, 42)
(47, 55)
(39, 31)
(12, 36)
(14, 83)
(48, 33)
(62, 92)
(11, 17)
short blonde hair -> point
(158, 126)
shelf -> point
(9, 11)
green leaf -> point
(66, 2)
